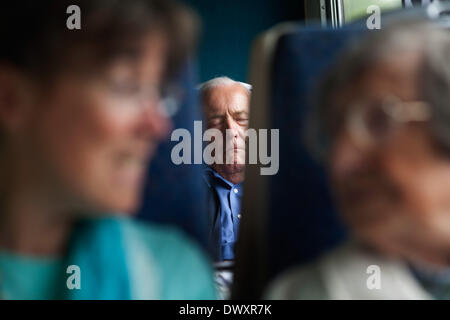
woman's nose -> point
(346, 157)
(155, 121)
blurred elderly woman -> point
(80, 117)
(384, 123)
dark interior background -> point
(228, 28)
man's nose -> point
(232, 126)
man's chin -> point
(228, 170)
(233, 168)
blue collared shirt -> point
(228, 212)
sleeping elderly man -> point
(226, 107)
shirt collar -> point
(213, 179)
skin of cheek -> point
(81, 133)
(424, 177)
(84, 132)
(415, 224)
(359, 188)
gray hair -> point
(222, 81)
(428, 39)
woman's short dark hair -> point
(35, 38)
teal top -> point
(118, 258)
(28, 278)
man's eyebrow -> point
(239, 113)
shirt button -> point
(235, 190)
(239, 216)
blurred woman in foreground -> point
(80, 117)
(384, 123)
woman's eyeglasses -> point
(370, 124)
(166, 98)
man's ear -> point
(15, 93)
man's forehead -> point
(233, 97)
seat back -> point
(176, 194)
(288, 218)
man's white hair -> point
(222, 81)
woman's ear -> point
(15, 91)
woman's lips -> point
(130, 171)
(132, 166)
